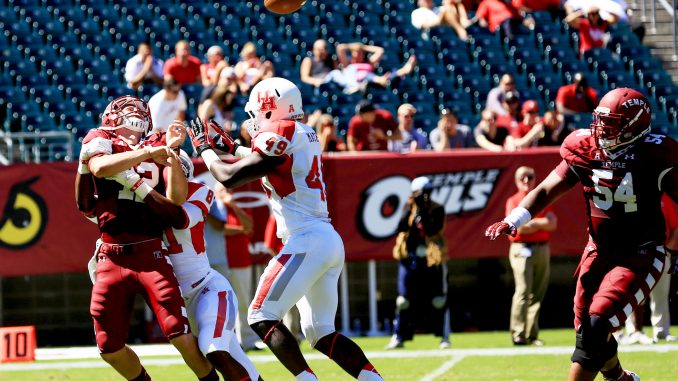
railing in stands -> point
(35, 147)
(670, 9)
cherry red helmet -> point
(127, 112)
(622, 116)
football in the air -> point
(283, 6)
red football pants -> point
(612, 285)
(120, 275)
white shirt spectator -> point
(606, 7)
(135, 64)
(422, 15)
(164, 111)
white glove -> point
(83, 160)
(132, 181)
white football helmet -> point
(186, 164)
(127, 112)
(271, 100)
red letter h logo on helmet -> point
(267, 102)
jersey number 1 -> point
(314, 180)
(624, 192)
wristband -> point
(518, 217)
(209, 156)
(83, 168)
(141, 189)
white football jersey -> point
(186, 247)
(295, 188)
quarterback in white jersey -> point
(286, 156)
(210, 300)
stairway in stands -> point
(660, 39)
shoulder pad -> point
(578, 144)
(284, 128)
(97, 133)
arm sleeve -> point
(566, 173)
(198, 205)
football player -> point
(286, 156)
(623, 169)
(211, 301)
(130, 258)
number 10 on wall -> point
(17, 344)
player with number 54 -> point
(624, 170)
(286, 156)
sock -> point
(307, 375)
(143, 376)
(613, 374)
(211, 376)
(369, 373)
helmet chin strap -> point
(622, 148)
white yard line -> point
(54, 358)
(447, 365)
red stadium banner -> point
(42, 232)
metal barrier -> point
(670, 9)
(35, 147)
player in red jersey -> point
(130, 259)
(624, 170)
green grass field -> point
(473, 357)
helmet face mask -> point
(622, 117)
(271, 100)
(127, 112)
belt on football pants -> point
(131, 248)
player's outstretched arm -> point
(177, 184)
(547, 192)
(108, 165)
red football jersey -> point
(122, 217)
(622, 195)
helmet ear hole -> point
(268, 115)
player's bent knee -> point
(594, 345)
(313, 334)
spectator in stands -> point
(219, 107)
(411, 140)
(371, 128)
(143, 67)
(495, 97)
(183, 67)
(168, 105)
(592, 28)
(327, 134)
(215, 68)
(359, 69)
(555, 130)
(449, 134)
(498, 14)
(421, 250)
(529, 256)
(452, 13)
(530, 129)
(509, 119)
(315, 70)
(251, 69)
(488, 135)
(577, 96)
(238, 228)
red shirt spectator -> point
(183, 67)
(496, 12)
(369, 130)
(536, 5)
(570, 100)
(592, 28)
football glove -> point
(673, 260)
(498, 228)
(200, 138)
(132, 181)
(83, 160)
(222, 140)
